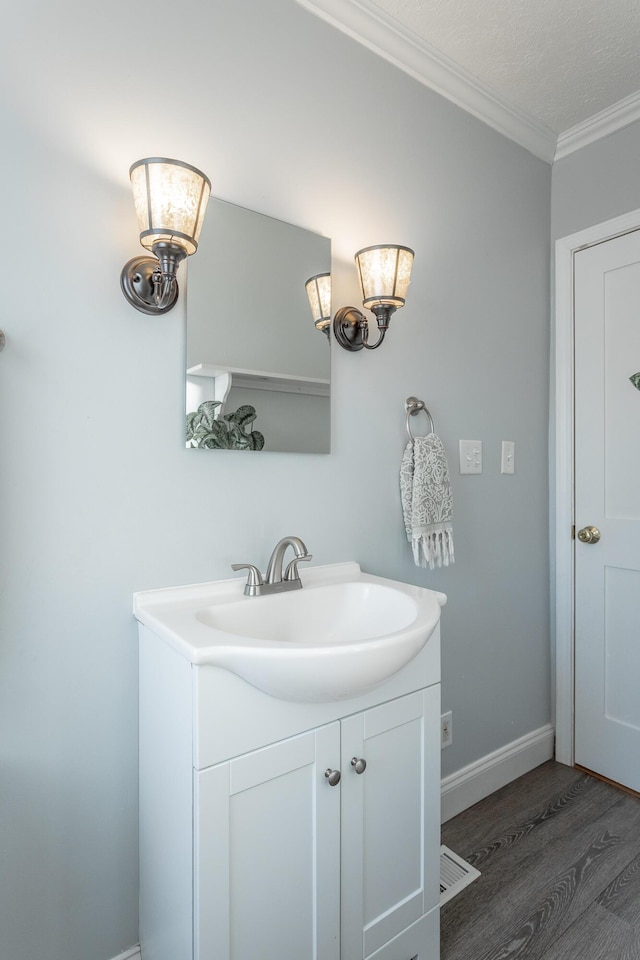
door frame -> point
(561, 540)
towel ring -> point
(413, 406)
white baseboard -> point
(473, 783)
(132, 954)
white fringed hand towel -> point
(427, 502)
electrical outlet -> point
(446, 730)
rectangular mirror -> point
(251, 341)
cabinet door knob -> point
(333, 776)
(359, 764)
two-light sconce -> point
(384, 272)
(171, 199)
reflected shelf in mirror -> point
(226, 377)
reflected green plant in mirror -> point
(208, 433)
(635, 380)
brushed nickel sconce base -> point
(136, 281)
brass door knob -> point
(589, 535)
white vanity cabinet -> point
(270, 828)
(248, 850)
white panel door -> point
(390, 820)
(267, 853)
(607, 496)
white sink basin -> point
(342, 634)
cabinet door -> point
(390, 820)
(267, 853)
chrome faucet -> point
(275, 582)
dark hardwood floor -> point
(559, 853)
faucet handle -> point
(254, 580)
(291, 573)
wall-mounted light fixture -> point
(170, 198)
(385, 273)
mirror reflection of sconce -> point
(170, 198)
(384, 272)
(319, 292)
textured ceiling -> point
(561, 61)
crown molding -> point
(607, 121)
(371, 26)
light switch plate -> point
(508, 463)
(471, 456)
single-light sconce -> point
(385, 273)
(170, 198)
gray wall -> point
(98, 496)
(596, 183)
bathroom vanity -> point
(288, 829)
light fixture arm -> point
(164, 286)
(351, 327)
(147, 287)
(150, 284)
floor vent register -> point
(455, 874)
